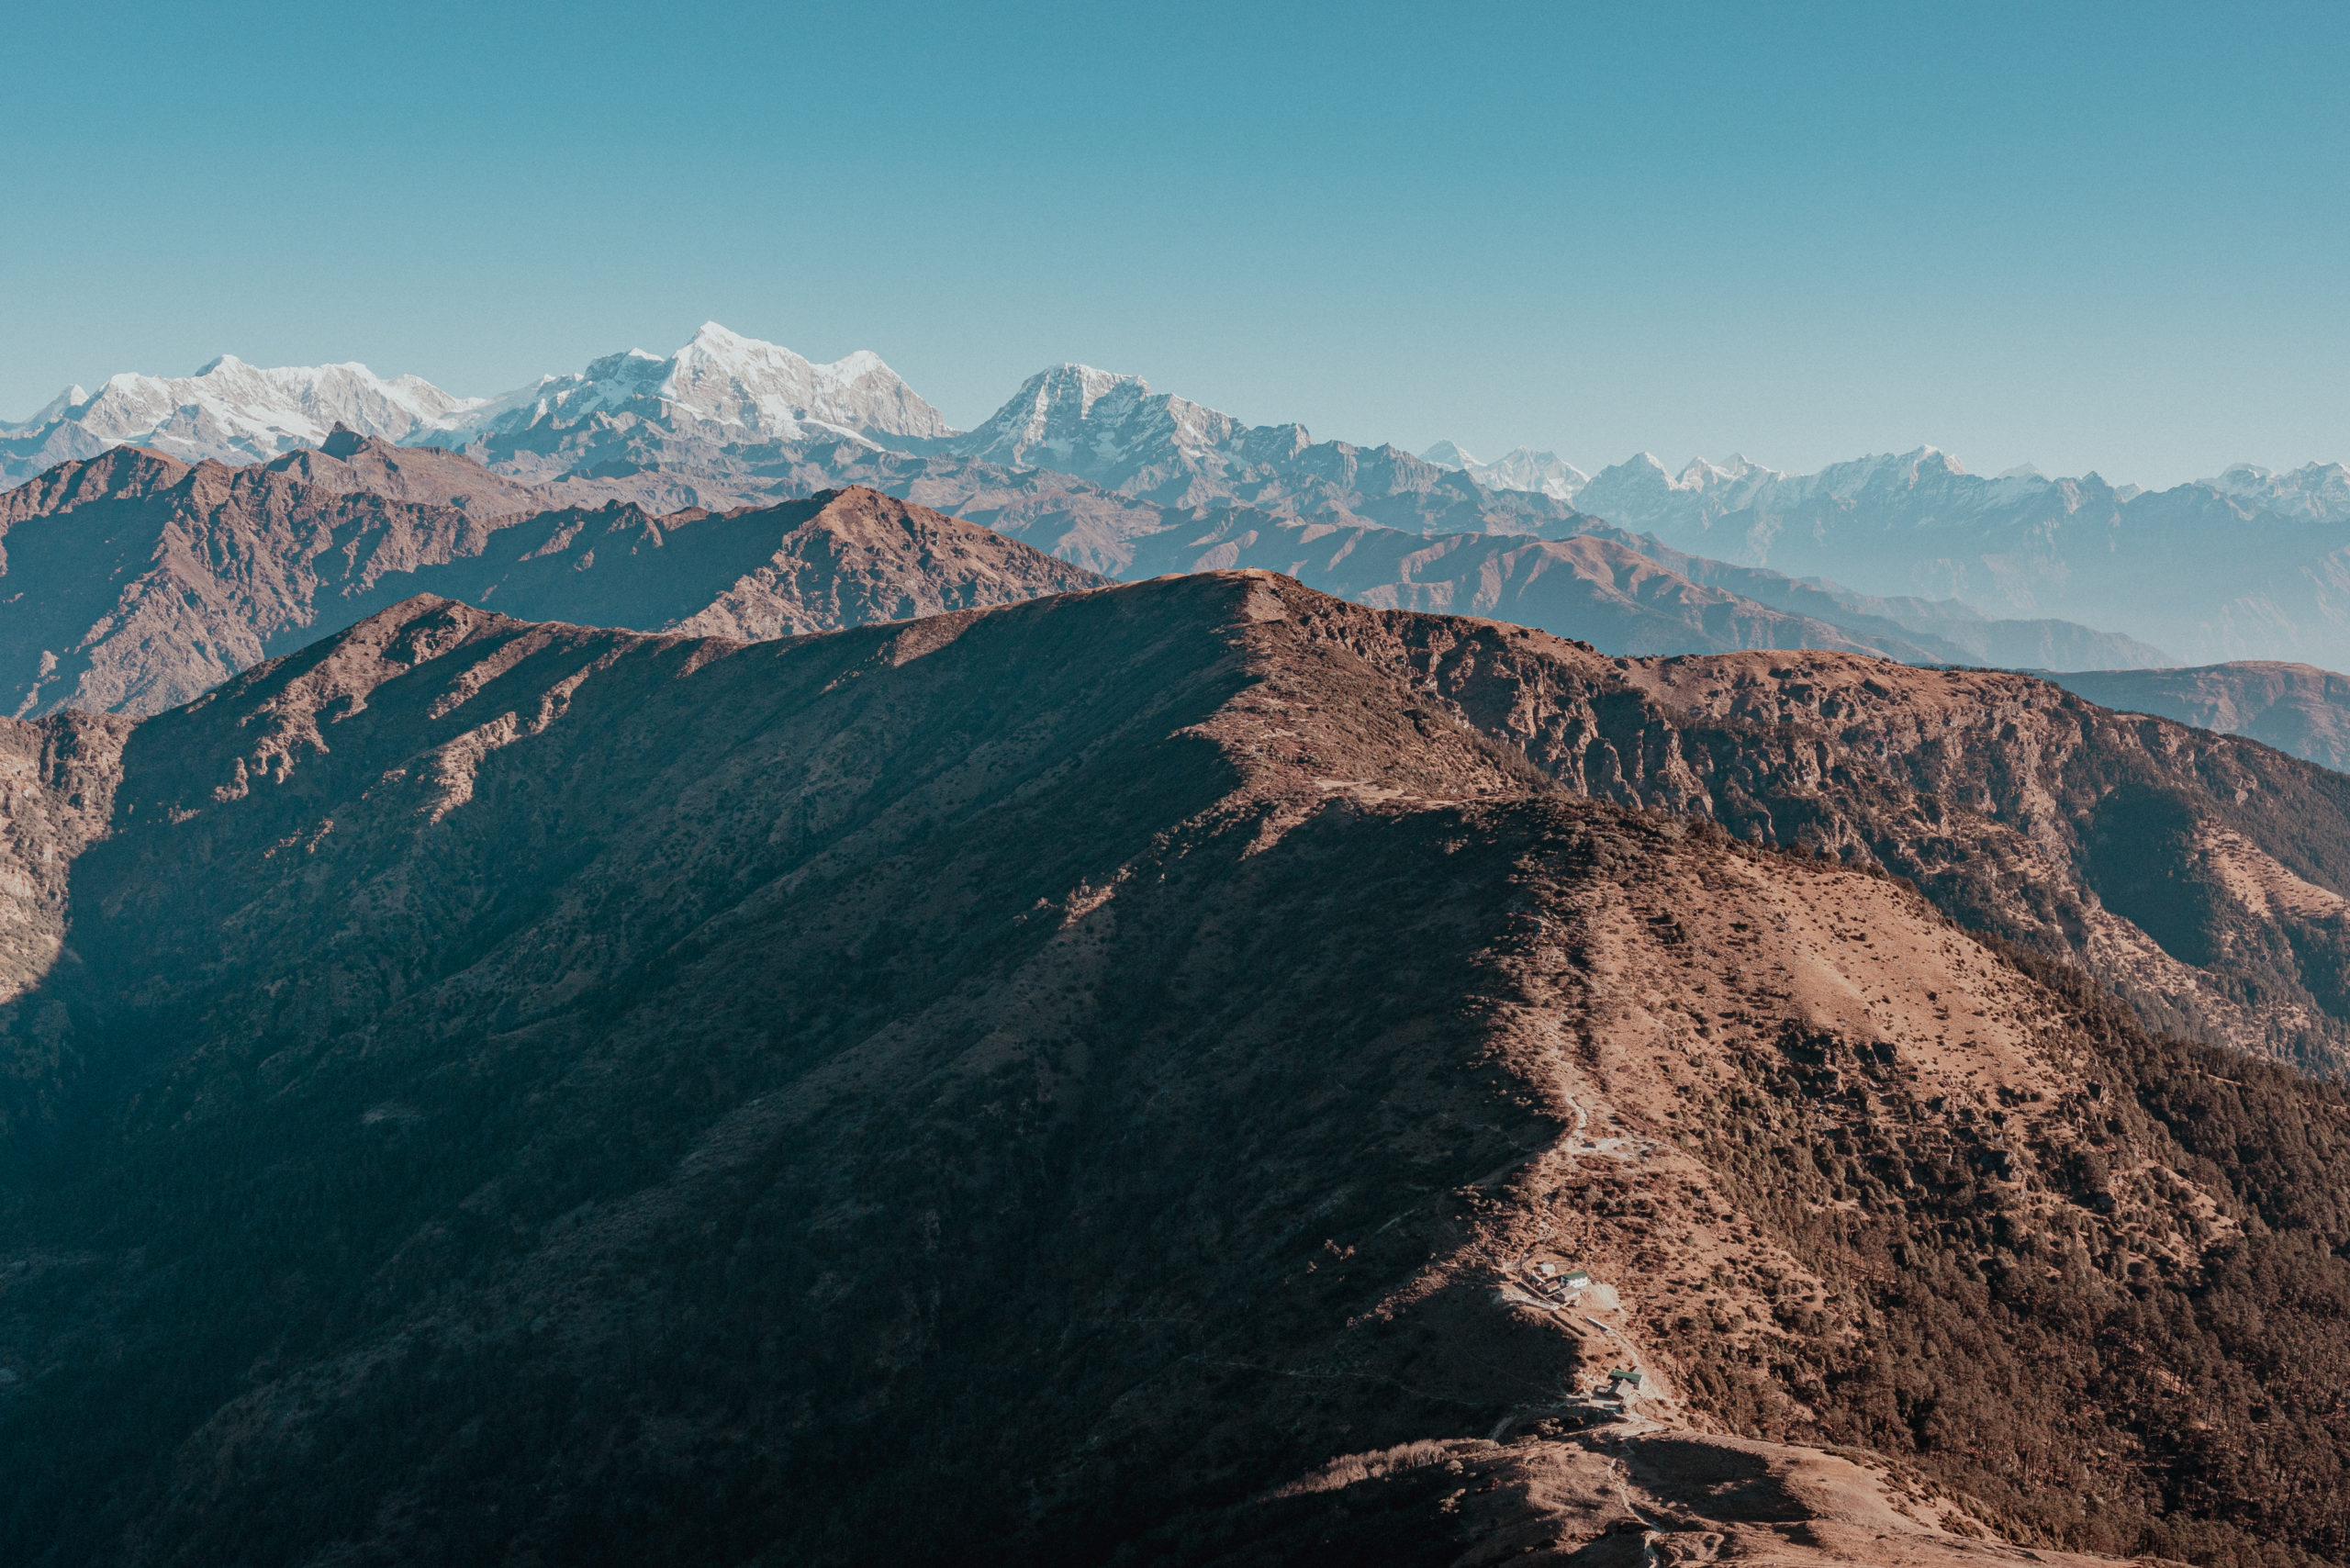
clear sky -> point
(2088, 236)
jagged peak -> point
(719, 341)
(1086, 376)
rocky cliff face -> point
(1036, 1084)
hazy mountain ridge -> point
(1954, 630)
(142, 582)
(2251, 565)
(1599, 591)
(1133, 1041)
(2295, 708)
(150, 581)
(1520, 468)
(2217, 569)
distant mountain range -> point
(1625, 593)
(141, 581)
(1520, 468)
(2251, 563)
(1087, 464)
(232, 412)
(229, 411)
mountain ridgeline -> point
(146, 583)
(139, 581)
(2295, 708)
(1086, 1080)
(2245, 565)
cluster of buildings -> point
(1562, 1286)
(1552, 1283)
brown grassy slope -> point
(863, 556)
(834, 559)
(135, 582)
(1601, 591)
(1017, 1085)
(2123, 843)
(430, 475)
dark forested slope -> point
(1041, 1084)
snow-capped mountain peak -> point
(55, 408)
(229, 410)
(235, 412)
(718, 378)
(1520, 468)
(2316, 492)
(1095, 422)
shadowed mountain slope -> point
(1036, 1084)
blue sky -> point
(2094, 235)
